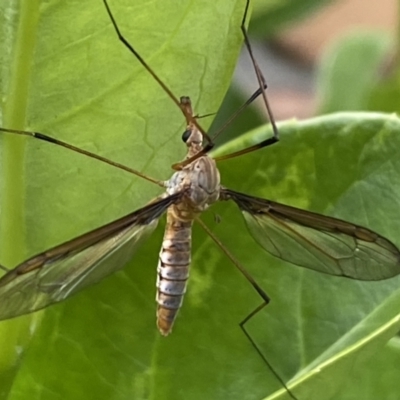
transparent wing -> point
(314, 241)
(58, 273)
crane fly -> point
(300, 237)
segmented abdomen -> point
(173, 270)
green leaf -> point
(317, 327)
(377, 376)
(82, 85)
(64, 73)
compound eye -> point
(186, 135)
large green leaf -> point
(68, 75)
(320, 327)
(65, 73)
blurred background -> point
(318, 57)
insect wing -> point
(60, 272)
(317, 242)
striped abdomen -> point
(173, 270)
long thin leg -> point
(259, 290)
(189, 117)
(238, 112)
(2, 267)
(262, 84)
(260, 76)
(247, 334)
(237, 264)
(41, 136)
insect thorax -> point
(200, 181)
